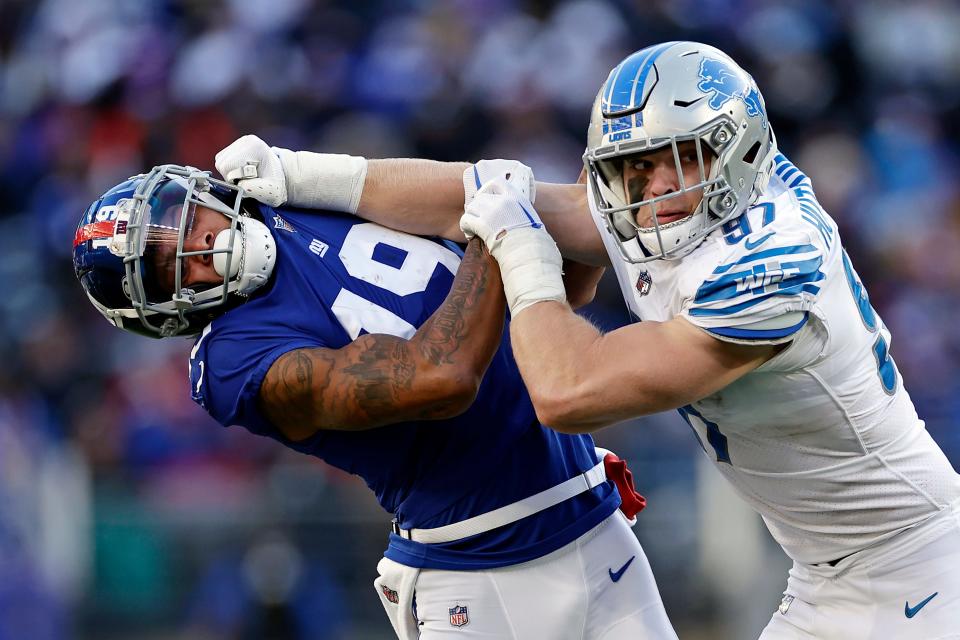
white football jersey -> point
(822, 440)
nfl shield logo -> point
(644, 282)
(390, 594)
(280, 223)
(785, 604)
(458, 616)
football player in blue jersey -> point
(755, 327)
(318, 329)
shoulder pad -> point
(766, 278)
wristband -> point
(531, 268)
(329, 181)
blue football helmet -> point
(128, 252)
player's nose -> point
(663, 179)
(202, 241)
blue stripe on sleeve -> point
(757, 334)
(450, 244)
(724, 311)
(786, 170)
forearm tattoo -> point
(378, 379)
(445, 331)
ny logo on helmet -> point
(726, 84)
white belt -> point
(509, 513)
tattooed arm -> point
(381, 379)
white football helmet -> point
(660, 97)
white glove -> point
(274, 175)
(530, 262)
(515, 172)
(252, 165)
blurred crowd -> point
(126, 512)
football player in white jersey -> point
(753, 324)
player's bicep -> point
(711, 363)
(284, 396)
(681, 364)
(375, 380)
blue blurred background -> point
(125, 512)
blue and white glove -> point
(530, 263)
(516, 173)
(275, 176)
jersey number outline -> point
(195, 385)
(355, 313)
(886, 368)
(739, 228)
(715, 437)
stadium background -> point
(126, 513)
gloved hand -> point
(275, 176)
(516, 173)
(496, 207)
(252, 165)
(509, 226)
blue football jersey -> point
(338, 277)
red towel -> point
(631, 502)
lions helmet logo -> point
(725, 84)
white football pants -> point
(907, 588)
(598, 587)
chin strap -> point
(252, 258)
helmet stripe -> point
(620, 93)
(94, 231)
(616, 97)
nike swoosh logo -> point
(754, 245)
(912, 611)
(616, 575)
(533, 223)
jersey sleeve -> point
(227, 368)
(764, 286)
